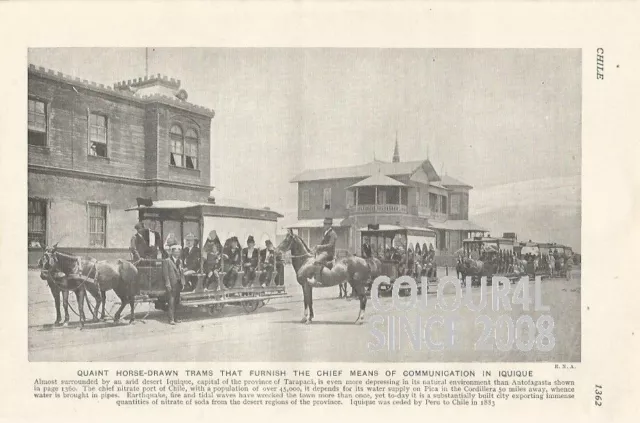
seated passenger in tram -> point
(191, 259)
(232, 259)
(267, 263)
(250, 260)
(212, 256)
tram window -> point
(192, 228)
(171, 227)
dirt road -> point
(273, 333)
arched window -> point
(184, 147)
(177, 146)
(191, 149)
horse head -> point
(287, 242)
(48, 263)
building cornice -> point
(119, 94)
(72, 173)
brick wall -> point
(68, 130)
(169, 116)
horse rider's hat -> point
(250, 240)
(268, 243)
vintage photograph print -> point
(304, 205)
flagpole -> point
(146, 61)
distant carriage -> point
(396, 247)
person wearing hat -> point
(250, 259)
(145, 244)
(232, 259)
(172, 274)
(268, 263)
(212, 257)
(191, 259)
(326, 250)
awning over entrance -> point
(307, 223)
(457, 225)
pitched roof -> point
(366, 170)
(448, 181)
(378, 180)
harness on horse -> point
(60, 279)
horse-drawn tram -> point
(234, 283)
(403, 251)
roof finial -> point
(396, 151)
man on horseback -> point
(327, 248)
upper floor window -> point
(37, 231)
(37, 118)
(434, 203)
(443, 207)
(191, 149)
(97, 225)
(350, 198)
(183, 148)
(455, 204)
(305, 199)
(326, 198)
(176, 155)
(97, 135)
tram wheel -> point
(215, 309)
(251, 305)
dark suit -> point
(327, 247)
(232, 263)
(268, 261)
(191, 258)
(250, 265)
(279, 268)
(172, 276)
(140, 248)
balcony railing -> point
(425, 212)
(378, 208)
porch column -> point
(376, 198)
(399, 196)
(357, 189)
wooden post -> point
(376, 199)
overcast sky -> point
(489, 116)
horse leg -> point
(65, 305)
(103, 298)
(56, 298)
(132, 306)
(306, 302)
(310, 318)
(360, 290)
(80, 295)
(123, 303)
(95, 293)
